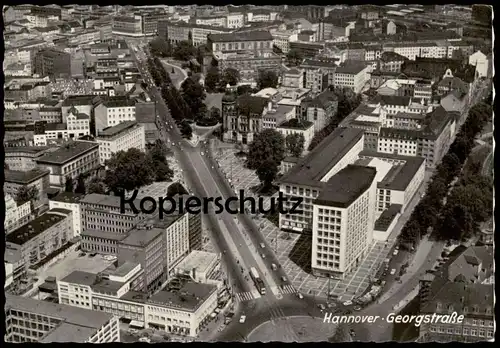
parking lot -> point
(294, 250)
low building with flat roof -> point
(308, 177)
(42, 236)
(199, 265)
(56, 322)
(182, 309)
(70, 160)
(23, 158)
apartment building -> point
(183, 308)
(200, 32)
(293, 126)
(398, 87)
(398, 178)
(113, 111)
(293, 78)
(353, 75)
(30, 320)
(319, 74)
(82, 103)
(464, 284)
(123, 136)
(307, 178)
(320, 110)
(40, 237)
(37, 178)
(23, 158)
(69, 161)
(53, 63)
(391, 62)
(25, 91)
(248, 63)
(430, 141)
(282, 38)
(423, 90)
(103, 225)
(15, 214)
(343, 221)
(69, 201)
(414, 50)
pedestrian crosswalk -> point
(288, 289)
(244, 296)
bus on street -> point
(259, 283)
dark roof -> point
(67, 152)
(311, 169)
(324, 99)
(258, 35)
(391, 100)
(24, 178)
(346, 186)
(399, 133)
(392, 57)
(351, 67)
(248, 104)
(35, 227)
(68, 197)
(80, 100)
(323, 63)
(118, 101)
(296, 124)
(387, 217)
(189, 297)
(114, 130)
(399, 176)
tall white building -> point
(343, 221)
(123, 136)
(353, 75)
(113, 111)
(70, 201)
(15, 215)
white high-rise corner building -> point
(124, 136)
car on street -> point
(202, 153)
(274, 267)
(299, 295)
(283, 279)
(357, 308)
(393, 271)
(145, 340)
(321, 307)
(243, 318)
(93, 254)
(262, 245)
(396, 251)
(347, 303)
(263, 256)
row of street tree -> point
(454, 214)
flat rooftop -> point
(387, 217)
(68, 152)
(400, 176)
(346, 186)
(23, 178)
(311, 169)
(189, 297)
(141, 237)
(122, 270)
(78, 324)
(92, 280)
(35, 227)
(103, 235)
(110, 132)
(295, 124)
(199, 260)
(68, 197)
(104, 200)
(27, 149)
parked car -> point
(145, 339)
(347, 303)
(243, 318)
(262, 245)
(283, 279)
(395, 252)
(263, 256)
(299, 295)
(274, 267)
(321, 307)
(393, 271)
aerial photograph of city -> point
(244, 173)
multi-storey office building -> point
(70, 160)
(43, 235)
(319, 74)
(128, 25)
(103, 225)
(30, 320)
(343, 221)
(307, 178)
(113, 111)
(123, 136)
(37, 178)
(183, 309)
(259, 42)
(353, 75)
